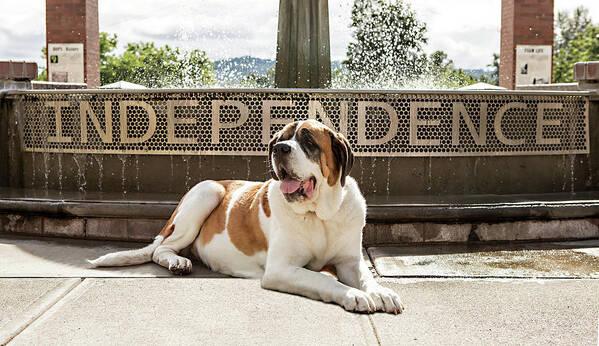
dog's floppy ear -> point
(272, 142)
(343, 155)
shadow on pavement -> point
(25, 256)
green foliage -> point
(567, 27)
(443, 74)
(577, 39)
(583, 47)
(340, 78)
(107, 45)
(254, 80)
(494, 77)
(154, 67)
(387, 46)
(43, 76)
(158, 67)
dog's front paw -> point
(356, 300)
(386, 299)
(179, 265)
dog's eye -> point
(309, 141)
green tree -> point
(387, 46)
(568, 26)
(254, 80)
(155, 67)
(158, 67)
(583, 47)
(573, 41)
(340, 78)
(108, 44)
(494, 78)
(443, 74)
(43, 76)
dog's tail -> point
(128, 257)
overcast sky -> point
(467, 30)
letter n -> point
(459, 109)
(85, 110)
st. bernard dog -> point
(307, 218)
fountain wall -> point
(406, 143)
(433, 165)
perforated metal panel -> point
(231, 122)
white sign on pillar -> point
(533, 64)
(65, 62)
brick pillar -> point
(525, 23)
(17, 74)
(70, 26)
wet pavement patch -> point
(578, 259)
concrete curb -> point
(144, 230)
(389, 210)
(405, 233)
(392, 220)
(34, 311)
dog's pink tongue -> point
(290, 185)
(308, 186)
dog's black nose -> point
(282, 148)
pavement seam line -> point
(37, 309)
(376, 334)
(372, 262)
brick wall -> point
(528, 22)
(76, 21)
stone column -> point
(303, 45)
(527, 36)
(587, 75)
(72, 41)
(17, 75)
(14, 75)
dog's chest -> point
(323, 239)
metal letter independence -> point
(241, 122)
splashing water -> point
(137, 182)
(32, 169)
(430, 174)
(590, 165)
(565, 177)
(170, 181)
(199, 175)
(123, 159)
(59, 171)
(373, 176)
(247, 163)
(99, 160)
(186, 159)
(388, 174)
(572, 177)
(46, 178)
(361, 173)
(81, 162)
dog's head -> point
(309, 160)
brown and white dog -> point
(285, 230)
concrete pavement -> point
(49, 296)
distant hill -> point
(233, 69)
(335, 64)
(477, 72)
